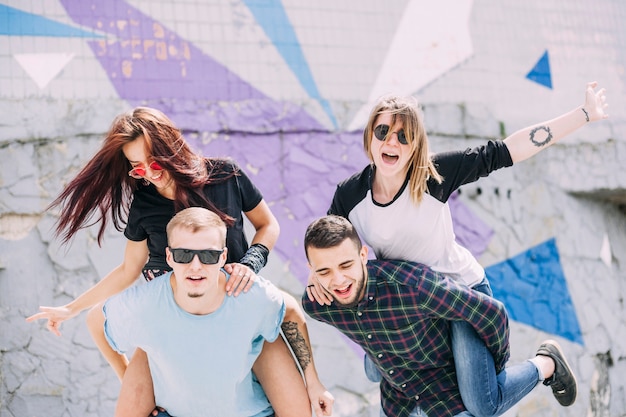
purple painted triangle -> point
(470, 231)
(150, 65)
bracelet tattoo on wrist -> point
(586, 114)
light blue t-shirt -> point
(200, 364)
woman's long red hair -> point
(102, 190)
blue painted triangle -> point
(533, 288)
(16, 22)
(272, 17)
(541, 71)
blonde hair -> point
(195, 219)
(406, 110)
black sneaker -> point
(563, 381)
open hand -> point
(54, 315)
(595, 103)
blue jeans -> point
(483, 392)
(501, 391)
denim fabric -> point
(484, 393)
(372, 372)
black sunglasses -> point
(381, 132)
(206, 256)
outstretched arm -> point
(296, 333)
(531, 140)
(120, 278)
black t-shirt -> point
(150, 212)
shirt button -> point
(417, 397)
(359, 313)
(391, 372)
(369, 336)
(403, 385)
(380, 355)
(371, 298)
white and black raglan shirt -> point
(421, 232)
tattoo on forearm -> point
(539, 142)
(297, 343)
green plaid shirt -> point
(403, 323)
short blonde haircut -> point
(194, 219)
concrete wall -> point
(284, 87)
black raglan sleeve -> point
(463, 167)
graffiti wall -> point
(284, 88)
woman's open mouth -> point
(389, 158)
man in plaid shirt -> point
(400, 312)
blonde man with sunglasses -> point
(201, 344)
(145, 172)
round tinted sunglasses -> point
(381, 131)
(139, 171)
(206, 256)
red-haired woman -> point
(146, 170)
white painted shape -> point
(442, 42)
(605, 251)
(43, 68)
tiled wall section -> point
(284, 87)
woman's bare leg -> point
(95, 324)
(136, 397)
(280, 378)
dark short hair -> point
(330, 231)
